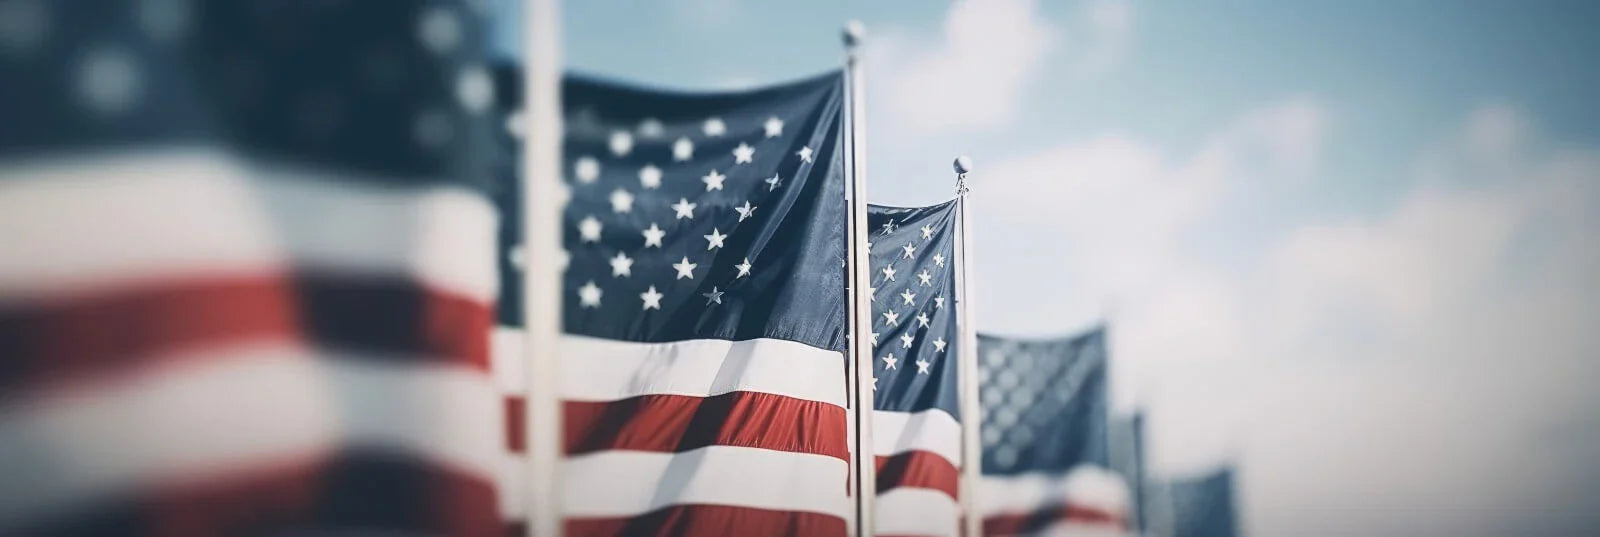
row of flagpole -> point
(541, 294)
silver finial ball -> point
(854, 32)
(963, 164)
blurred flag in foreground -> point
(1202, 506)
(1044, 437)
(246, 278)
(916, 428)
(702, 374)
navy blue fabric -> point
(793, 239)
(335, 85)
(1203, 506)
(1044, 403)
(908, 386)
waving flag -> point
(916, 429)
(1202, 506)
(702, 374)
(1044, 436)
(247, 278)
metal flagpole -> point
(967, 353)
(541, 276)
(863, 478)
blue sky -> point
(1350, 246)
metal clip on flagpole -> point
(541, 277)
(863, 478)
(967, 353)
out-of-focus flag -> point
(916, 429)
(1045, 439)
(701, 370)
(1202, 506)
(247, 276)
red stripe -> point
(713, 520)
(920, 469)
(1022, 523)
(118, 331)
(677, 423)
(353, 492)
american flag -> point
(1044, 437)
(916, 426)
(1201, 506)
(701, 371)
(247, 278)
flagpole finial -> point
(963, 166)
(854, 33)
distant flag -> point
(247, 280)
(916, 420)
(702, 374)
(1203, 506)
(1044, 436)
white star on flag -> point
(906, 340)
(888, 274)
(621, 143)
(890, 361)
(589, 229)
(621, 201)
(744, 268)
(587, 169)
(682, 150)
(714, 296)
(805, 153)
(650, 176)
(938, 302)
(744, 154)
(714, 127)
(650, 127)
(714, 180)
(773, 126)
(714, 240)
(745, 210)
(891, 318)
(653, 236)
(938, 345)
(685, 269)
(684, 209)
(621, 265)
(910, 250)
(922, 320)
(927, 231)
(589, 295)
(927, 279)
(652, 298)
(908, 297)
(773, 182)
(922, 366)
(939, 260)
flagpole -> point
(967, 354)
(541, 276)
(863, 478)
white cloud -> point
(1367, 372)
(972, 77)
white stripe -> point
(594, 369)
(238, 408)
(1079, 528)
(1085, 486)
(109, 219)
(931, 430)
(628, 483)
(917, 511)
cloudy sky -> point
(1351, 247)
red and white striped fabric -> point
(247, 270)
(198, 346)
(919, 460)
(661, 434)
(1088, 501)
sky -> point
(1350, 247)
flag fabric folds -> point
(916, 427)
(1202, 506)
(701, 371)
(247, 279)
(1044, 436)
